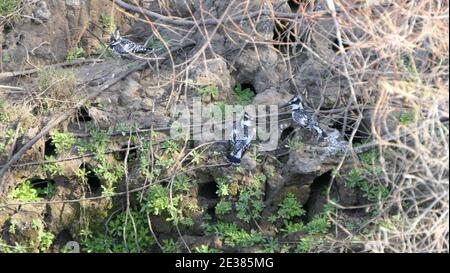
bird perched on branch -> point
(304, 118)
(241, 136)
(124, 47)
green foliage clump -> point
(44, 238)
(2, 148)
(17, 248)
(243, 96)
(306, 244)
(233, 236)
(52, 168)
(318, 225)
(125, 234)
(170, 246)
(170, 147)
(208, 91)
(26, 193)
(295, 144)
(290, 207)
(250, 202)
(4, 117)
(407, 117)
(129, 232)
(76, 53)
(223, 207)
(108, 170)
(107, 22)
(155, 43)
(157, 200)
(62, 141)
(8, 6)
(182, 183)
(6, 57)
(222, 187)
(371, 191)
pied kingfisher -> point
(303, 118)
(123, 47)
(241, 136)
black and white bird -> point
(304, 118)
(241, 137)
(124, 47)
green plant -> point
(76, 54)
(25, 192)
(223, 207)
(165, 163)
(170, 246)
(62, 141)
(182, 183)
(233, 236)
(222, 186)
(125, 233)
(107, 22)
(290, 227)
(17, 248)
(8, 6)
(371, 191)
(250, 202)
(306, 244)
(2, 148)
(208, 91)
(157, 200)
(407, 117)
(369, 157)
(320, 224)
(4, 115)
(196, 157)
(44, 238)
(109, 171)
(219, 107)
(52, 168)
(272, 219)
(6, 57)
(107, 191)
(290, 207)
(271, 245)
(170, 147)
(48, 191)
(205, 249)
(155, 43)
(295, 144)
(243, 96)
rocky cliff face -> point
(113, 162)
